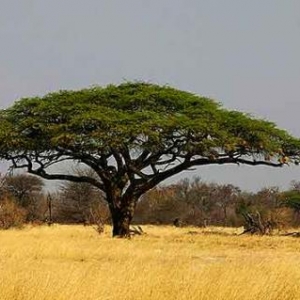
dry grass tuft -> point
(74, 262)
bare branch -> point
(118, 159)
(42, 173)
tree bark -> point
(121, 218)
(225, 215)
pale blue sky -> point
(246, 54)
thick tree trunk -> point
(121, 218)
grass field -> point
(74, 262)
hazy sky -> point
(246, 54)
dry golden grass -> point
(74, 262)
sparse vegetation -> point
(190, 202)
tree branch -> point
(119, 160)
(42, 173)
(143, 186)
(233, 160)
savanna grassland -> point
(74, 262)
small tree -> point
(11, 214)
(134, 136)
(226, 195)
(291, 199)
(27, 192)
(198, 196)
(161, 205)
(79, 202)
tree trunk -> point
(121, 218)
(225, 215)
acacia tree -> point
(134, 136)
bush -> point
(11, 215)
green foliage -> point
(140, 116)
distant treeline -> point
(190, 202)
